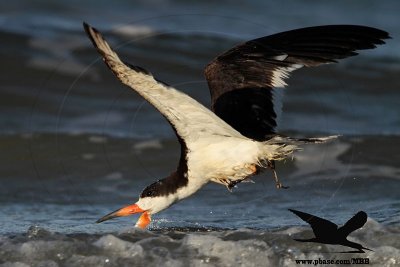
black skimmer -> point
(236, 139)
(326, 232)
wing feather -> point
(261, 64)
(321, 227)
(189, 118)
(356, 222)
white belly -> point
(222, 157)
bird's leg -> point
(251, 169)
(144, 220)
(248, 180)
(228, 183)
(232, 184)
(271, 165)
(279, 185)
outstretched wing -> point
(356, 222)
(321, 227)
(241, 79)
(188, 117)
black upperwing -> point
(242, 79)
(320, 226)
(356, 222)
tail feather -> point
(314, 140)
(271, 150)
(280, 147)
(299, 141)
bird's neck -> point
(190, 188)
(170, 190)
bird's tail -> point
(275, 149)
(280, 147)
(312, 140)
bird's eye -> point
(149, 193)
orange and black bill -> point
(125, 211)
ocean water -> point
(76, 144)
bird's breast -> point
(222, 157)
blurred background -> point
(76, 144)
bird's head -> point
(151, 200)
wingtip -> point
(293, 211)
(87, 27)
(99, 41)
(385, 35)
(363, 214)
(89, 31)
